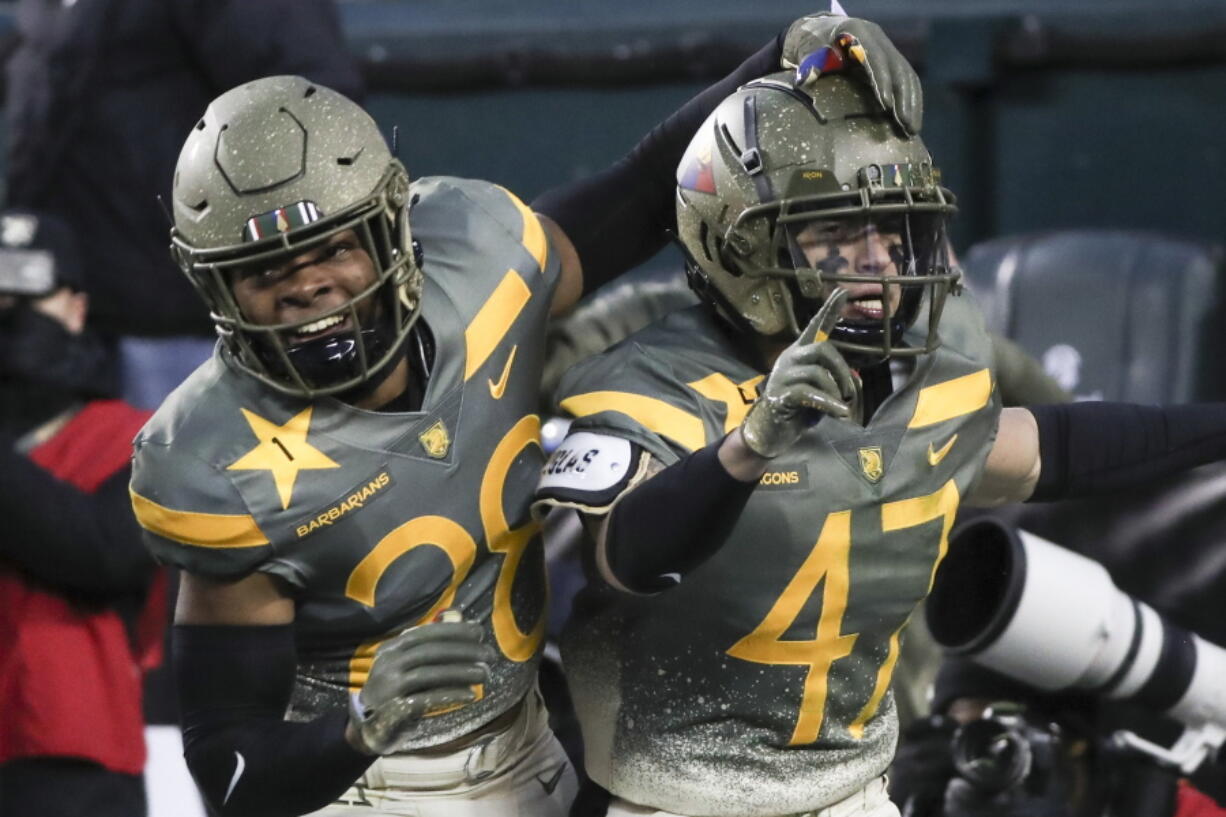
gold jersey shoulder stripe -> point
(656, 415)
(953, 398)
(208, 530)
(533, 237)
(494, 320)
(736, 397)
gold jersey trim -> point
(655, 415)
(533, 237)
(207, 530)
(953, 398)
(494, 320)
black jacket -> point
(101, 94)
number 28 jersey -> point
(377, 521)
(760, 684)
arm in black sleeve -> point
(1099, 448)
(234, 684)
(672, 522)
(67, 538)
(620, 217)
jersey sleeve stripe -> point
(953, 398)
(736, 397)
(655, 415)
(533, 237)
(494, 320)
(206, 530)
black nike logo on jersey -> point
(552, 783)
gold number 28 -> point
(461, 550)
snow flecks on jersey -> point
(759, 685)
(380, 520)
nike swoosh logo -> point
(935, 457)
(552, 783)
(496, 389)
(240, 765)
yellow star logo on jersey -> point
(283, 450)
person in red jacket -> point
(82, 606)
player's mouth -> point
(865, 305)
(330, 325)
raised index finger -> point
(823, 322)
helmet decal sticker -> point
(281, 220)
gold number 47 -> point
(827, 564)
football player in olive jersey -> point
(346, 483)
(771, 477)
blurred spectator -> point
(100, 96)
(82, 607)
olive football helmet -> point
(274, 169)
(781, 174)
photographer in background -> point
(82, 607)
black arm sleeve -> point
(67, 538)
(234, 684)
(1097, 448)
(672, 522)
(621, 216)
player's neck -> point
(769, 349)
(392, 387)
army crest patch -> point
(871, 463)
(436, 440)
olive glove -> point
(824, 42)
(423, 671)
(809, 377)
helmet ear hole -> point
(704, 240)
(726, 258)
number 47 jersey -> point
(377, 521)
(759, 685)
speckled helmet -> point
(275, 168)
(775, 157)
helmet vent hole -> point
(728, 135)
(346, 161)
(704, 235)
(309, 92)
(199, 206)
(720, 251)
(200, 125)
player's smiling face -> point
(307, 289)
(856, 247)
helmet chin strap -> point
(334, 358)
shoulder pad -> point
(589, 471)
(481, 205)
(192, 515)
(662, 388)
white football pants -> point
(870, 801)
(521, 771)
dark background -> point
(1043, 113)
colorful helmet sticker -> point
(281, 220)
(822, 61)
(696, 171)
